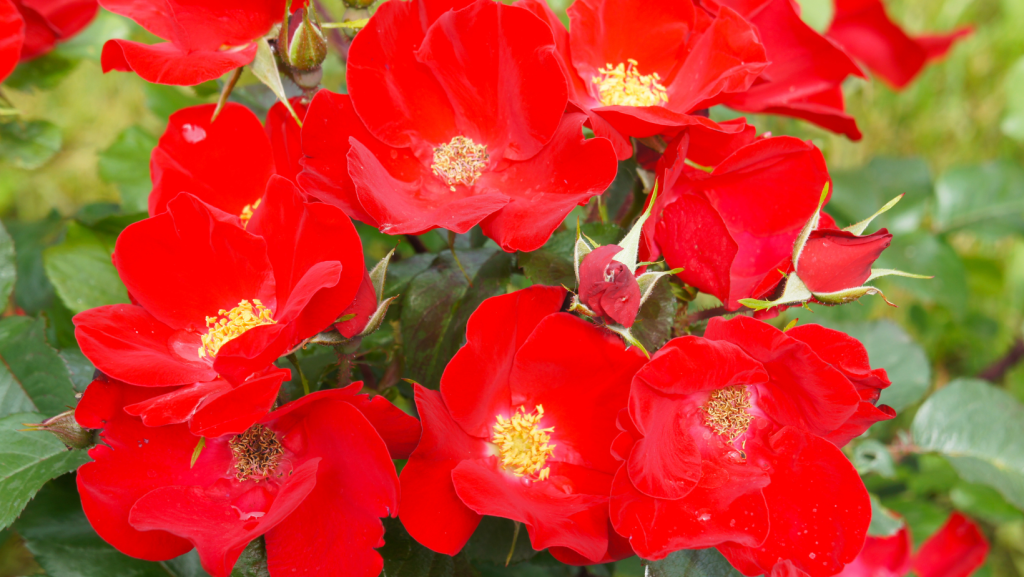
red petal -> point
(692, 235)
(166, 63)
(572, 369)
(399, 99)
(400, 432)
(225, 164)
(356, 485)
(307, 293)
(12, 36)
(617, 299)
(618, 549)
(236, 410)
(203, 26)
(216, 519)
(803, 390)
(553, 515)
(192, 261)
(285, 137)
(833, 261)
(127, 343)
(134, 460)
(497, 65)
(38, 37)
(564, 174)
(177, 406)
(882, 557)
(431, 510)
(956, 550)
(475, 384)
(844, 353)
(65, 17)
(818, 508)
(864, 30)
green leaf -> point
(437, 305)
(552, 264)
(858, 192)
(32, 290)
(653, 326)
(264, 67)
(986, 199)
(29, 144)
(883, 522)
(126, 164)
(1013, 119)
(165, 100)
(872, 456)
(57, 532)
(492, 541)
(404, 557)
(924, 253)
(80, 369)
(32, 376)
(978, 428)
(82, 272)
(253, 561)
(891, 348)
(8, 268)
(984, 503)
(43, 73)
(692, 563)
(27, 461)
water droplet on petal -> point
(192, 133)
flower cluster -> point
(473, 113)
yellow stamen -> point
(726, 412)
(256, 453)
(623, 85)
(247, 211)
(523, 446)
(460, 161)
(231, 324)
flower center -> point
(623, 85)
(459, 161)
(726, 412)
(247, 211)
(523, 444)
(257, 453)
(231, 324)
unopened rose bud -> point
(608, 287)
(308, 48)
(66, 428)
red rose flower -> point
(721, 447)
(882, 557)
(805, 77)
(225, 162)
(608, 287)
(521, 429)
(49, 22)
(956, 550)
(156, 492)
(439, 134)
(204, 39)
(212, 298)
(643, 68)
(12, 37)
(728, 234)
(865, 31)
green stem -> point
(451, 246)
(515, 537)
(302, 377)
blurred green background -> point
(953, 142)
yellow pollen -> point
(231, 324)
(460, 161)
(256, 453)
(726, 412)
(247, 211)
(623, 85)
(523, 445)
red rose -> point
(521, 429)
(439, 135)
(807, 70)
(204, 39)
(733, 229)
(865, 31)
(225, 162)
(213, 298)
(641, 68)
(956, 550)
(721, 447)
(608, 287)
(156, 492)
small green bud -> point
(359, 3)
(308, 48)
(66, 428)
